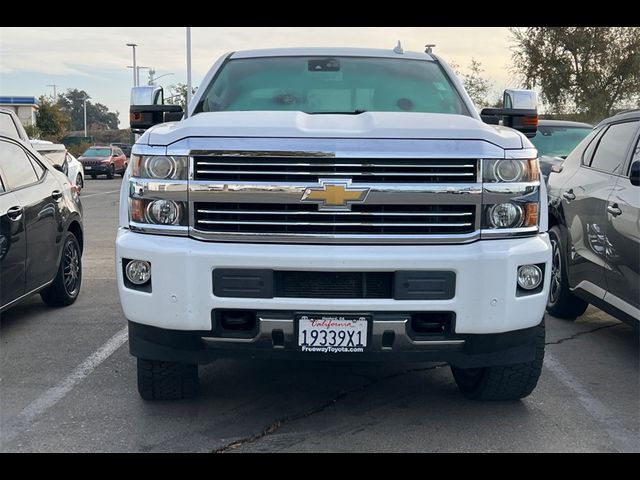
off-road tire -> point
(159, 380)
(508, 382)
(561, 302)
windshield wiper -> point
(351, 112)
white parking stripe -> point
(623, 439)
(52, 396)
(96, 194)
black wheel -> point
(79, 182)
(66, 286)
(159, 380)
(94, 176)
(123, 170)
(561, 302)
(111, 172)
(509, 382)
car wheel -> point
(66, 286)
(123, 170)
(79, 182)
(111, 172)
(159, 380)
(561, 302)
(508, 382)
(94, 176)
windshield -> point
(556, 141)
(57, 157)
(97, 152)
(316, 85)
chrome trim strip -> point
(494, 233)
(341, 174)
(621, 304)
(332, 239)
(439, 343)
(179, 230)
(336, 224)
(592, 288)
(27, 294)
(325, 213)
(142, 149)
(520, 188)
(331, 164)
(158, 189)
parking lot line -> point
(622, 438)
(101, 193)
(53, 395)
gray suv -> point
(594, 220)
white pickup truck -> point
(327, 203)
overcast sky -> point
(95, 59)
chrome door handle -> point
(614, 210)
(56, 194)
(14, 213)
(569, 195)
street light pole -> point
(186, 113)
(85, 117)
(135, 70)
(55, 91)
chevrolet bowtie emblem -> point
(335, 195)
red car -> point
(100, 160)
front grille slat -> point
(251, 218)
(363, 170)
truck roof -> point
(330, 52)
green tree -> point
(98, 115)
(474, 83)
(587, 70)
(178, 94)
(51, 122)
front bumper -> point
(182, 299)
(96, 169)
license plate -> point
(332, 333)
(87, 168)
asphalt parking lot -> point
(68, 384)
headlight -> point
(159, 167)
(163, 212)
(504, 215)
(510, 171)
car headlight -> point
(510, 171)
(160, 167)
(504, 215)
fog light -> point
(529, 276)
(505, 215)
(164, 212)
(138, 271)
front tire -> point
(561, 302)
(111, 172)
(66, 286)
(508, 382)
(159, 380)
(124, 170)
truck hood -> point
(382, 125)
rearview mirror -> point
(147, 108)
(520, 112)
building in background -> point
(24, 107)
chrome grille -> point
(269, 218)
(310, 169)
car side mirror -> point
(60, 168)
(634, 173)
(520, 112)
(147, 108)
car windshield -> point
(56, 157)
(345, 85)
(97, 152)
(557, 141)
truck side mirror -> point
(148, 109)
(520, 112)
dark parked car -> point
(594, 212)
(40, 228)
(103, 160)
(555, 139)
